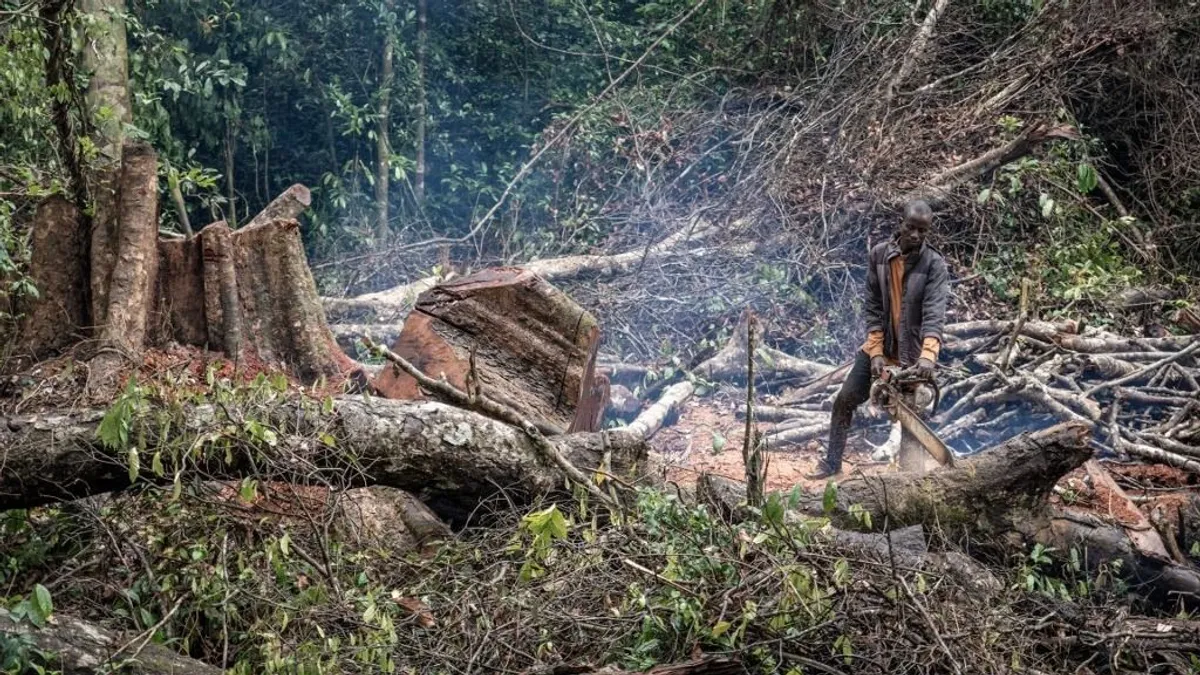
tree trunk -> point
(422, 97)
(104, 57)
(382, 145)
(230, 153)
(75, 647)
(281, 310)
(57, 269)
(449, 458)
(533, 348)
(134, 275)
(222, 312)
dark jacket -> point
(923, 301)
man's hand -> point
(925, 369)
(878, 363)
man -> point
(907, 290)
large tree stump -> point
(134, 273)
(534, 349)
(58, 270)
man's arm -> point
(873, 311)
(933, 310)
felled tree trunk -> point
(58, 269)
(131, 281)
(287, 206)
(450, 458)
(998, 495)
(75, 647)
(533, 348)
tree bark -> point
(279, 303)
(134, 274)
(382, 145)
(534, 349)
(104, 57)
(76, 647)
(57, 269)
(287, 206)
(449, 458)
(222, 310)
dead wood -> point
(450, 458)
(394, 303)
(57, 268)
(222, 310)
(707, 665)
(507, 333)
(1116, 504)
(287, 206)
(916, 50)
(77, 647)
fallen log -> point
(75, 647)
(513, 337)
(451, 459)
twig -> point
(1191, 349)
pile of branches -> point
(1001, 378)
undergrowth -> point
(274, 581)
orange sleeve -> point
(874, 345)
(930, 348)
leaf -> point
(1047, 205)
(984, 195)
(249, 490)
(369, 614)
(720, 629)
(718, 442)
(285, 543)
(829, 500)
(134, 464)
(156, 464)
(1086, 178)
(42, 603)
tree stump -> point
(58, 270)
(534, 349)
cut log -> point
(1114, 503)
(222, 311)
(533, 348)
(287, 206)
(58, 269)
(132, 280)
(449, 458)
(75, 647)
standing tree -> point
(382, 146)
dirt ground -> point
(708, 438)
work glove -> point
(925, 369)
(878, 363)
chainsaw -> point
(896, 391)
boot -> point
(824, 470)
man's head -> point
(918, 218)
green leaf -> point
(369, 615)
(42, 603)
(249, 490)
(984, 195)
(134, 464)
(829, 500)
(720, 629)
(718, 442)
(1086, 178)
(156, 464)
(285, 543)
(1047, 205)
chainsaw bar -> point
(913, 424)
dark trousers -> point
(855, 391)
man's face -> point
(913, 231)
